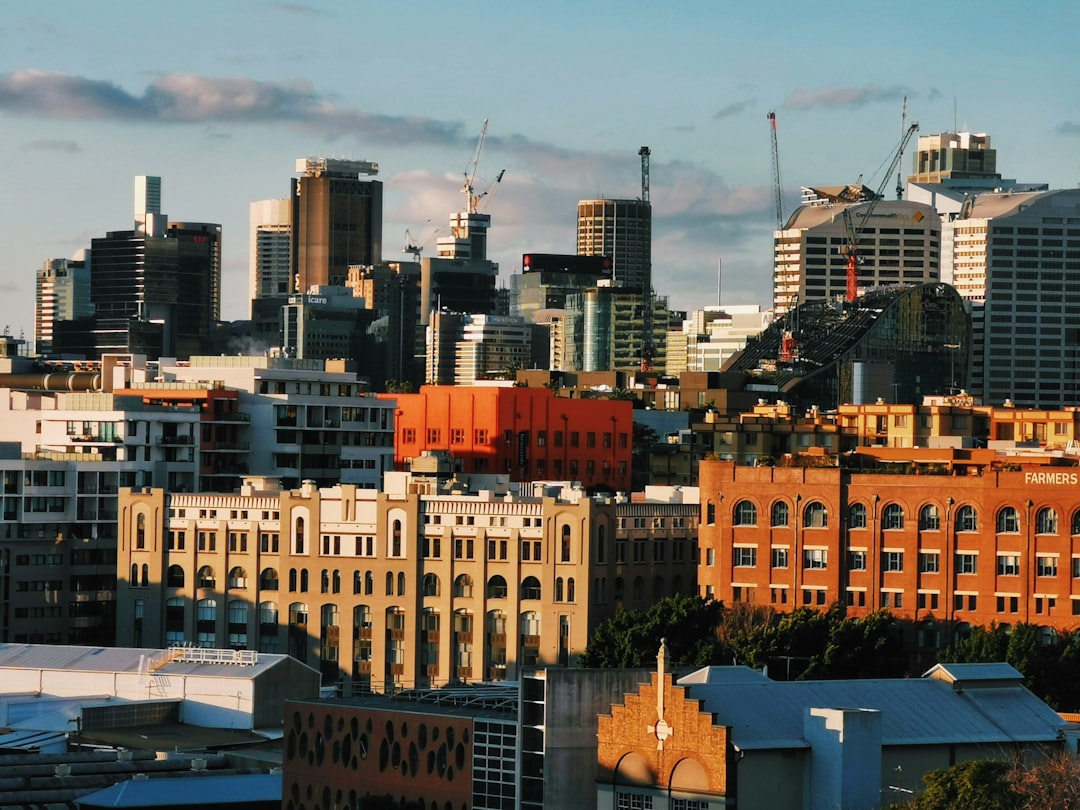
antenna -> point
(719, 264)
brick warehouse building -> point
(944, 552)
(526, 433)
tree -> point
(971, 785)
(632, 637)
(1052, 784)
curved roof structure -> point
(896, 343)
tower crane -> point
(778, 197)
(851, 249)
(469, 189)
(412, 247)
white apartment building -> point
(710, 336)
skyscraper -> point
(337, 220)
(622, 230)
(270, 249)
(62, 294)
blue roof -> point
(188, 791)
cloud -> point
(52, 145)
(734, 108)
(933, 94)
(299, 9)
(844, 96)
(1068, 128)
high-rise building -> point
(900, 245)
(468, 348)
(270, 249)
(954, 156)
(337, 220)
(622, 230)
(147, 208)
(1017, 260)
(62, 294)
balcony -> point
(531, 641)
(364, 633)
(363, 667)
(175, 440)
(464, 638)
(432, 636)
(498, 639)
(464, 673)
(397, 635)
(433, 671)
(397, 669)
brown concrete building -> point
(424, 584)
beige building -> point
(423, 584)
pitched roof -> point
(186, 791)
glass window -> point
(780, 514)
(967, 520)
(1046, 521)
(815, 516)
(1008, 520)
(929, 518)
(857, 516)
(745, 514)
(892, 517)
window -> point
(1008, 565)
(206, 577)
(929, 562)
(892, 517)
(431, 585)
(1008, 520)
(463, 586)
(530, 588)
(967, 520)
(1075, 527)
(564, 545)
(892, 561)
(857, 516)
(745, 514)
(1046, 521)
(1046, 566)
(967, 563)
(779, 558)
(815, 516)
(780, 514)
(856, 560)
(929, 518)
(745, 557)
(175, 577)
(815, 558)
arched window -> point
(303, 580)
(463, 586)
(530, 588)
(658, 587)
(676, 585)
(268, 580)
(745, 514)
(496, 587)
(558, 589)
(357, 582)
(857, 516)
(564, 545)
(620, 589)
(145, 575)
(1046, 521)
(570, 590)
(779, 514)
(601, 540)
(298, 537)
(967, 519)
(401, 583)
(815, 516)
(369, 583)
(140, 531)
(1075, 527)
(237, 578)
(929, 518)
(175, 577)
(1008, 520)
(389, 583)
(206, 623)
(431, 585)
(238, 620)
(892, 517)
(206, 577)
(324, 582)
(395, 539)
(133, 582)
(292, 580)
(639, 589)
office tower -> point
(1017, 260)
(546, 279)
(147, 209)
(900, 245)
(392, 291)
(337, 220)
(270, 249)
(464, 349)
(62, 294)
(621, 230)
(198, 292)
(330, 323)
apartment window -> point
(408, 435)
(856, 560)
(541, 438)
(1046, 521)
(745, 514)
(967, 520)
(779, 558)
(779, 514)
(710, 556)
(558, 438)
(1046, 566)
(892, 561)
(457, 435)
(434, 435)
(815, 558)
(574, 438)
(1008, 565)
(745, 557)
(857, 516)
(929, 518)
(1008, 520)
(929, 562)
(892, 517)
(480, 436)
(590, 440)
(815, 516)
(967, 563)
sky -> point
(220, 98)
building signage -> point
(523, 448)
(314, 299)
(1051, 478)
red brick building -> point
(528, 433)
(946, 552)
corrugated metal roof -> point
(34, 741)
(120, 659)
(188, 791)
(917, 711)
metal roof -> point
(187, 791)
(917, 711)
(122, 659)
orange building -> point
(946, 552)
(528, 433)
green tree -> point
(972, 785)
(632, 637)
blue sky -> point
(220, 98)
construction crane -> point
(778, 197)
(469, 188)
(903, 129)
(851, 249)
(647, 348)
(489, 190)
(412, 247)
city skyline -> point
(221, 103)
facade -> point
(423, 584)
(727, 737)
(337, 220)
(546, 279)
(946, 552)
(711, 336)
(465, 349)
(900, 245)
(1017, 261)
(392, 291)
(526, 433)
(270, 267)
(622, 231)
(327, 323)
(62, 294)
